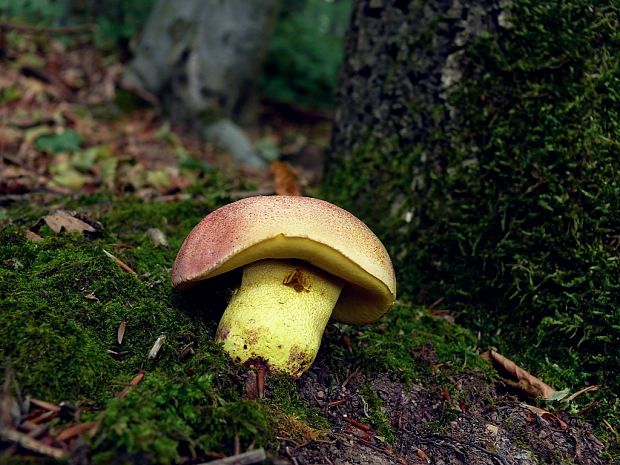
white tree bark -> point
(205, 56)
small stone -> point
(320, 395)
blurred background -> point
(78, 114)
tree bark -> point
(402, 60)
(479, 139)
(210, 52)
(204, 57)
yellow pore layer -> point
(278, 315)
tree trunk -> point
(204, 57)
(480, 140)
(393, 118)
(210, 52)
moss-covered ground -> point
(62, 301)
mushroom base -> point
(278, 315)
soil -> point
(486, 426)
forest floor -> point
(95, 200)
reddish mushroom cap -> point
(293, 227)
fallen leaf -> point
(251, 386)
(286, 180)
(547, 416)
(159, 179)
(121, 331)
(521, 379)
(107, 172)
(159, 342)
(559, 395)
(186, 351)
(45, 405)
(62, 220)
(33, 236)
(491, 429)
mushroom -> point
(304, 260)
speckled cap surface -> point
(293, 227)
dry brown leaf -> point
(519, 378)
(121, 331)
(285, 179)
(547, 416)
(61, 220)
(33, 236)
(159, 342)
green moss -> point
(512, 216)
(62, 301)
(288, 400)
(408, 343)
(377, 414)
(164, 420)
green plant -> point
(306, 51)
(47, 12)
(117, 21)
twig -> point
(357, 424)
(120, 263)
(76, 430)
(350, 377)
(334, 403)
(287, 449)
(249, 457)
(133, 383)
(32, 444)
(82, 28)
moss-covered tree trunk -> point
(394, 121)
(481, 140)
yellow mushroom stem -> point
(278, 314)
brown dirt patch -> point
(475, 425)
